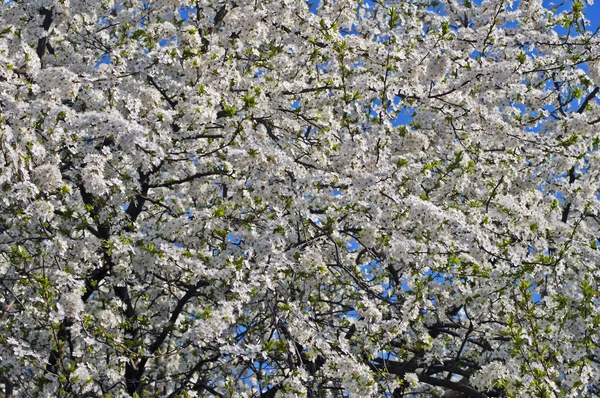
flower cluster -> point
(279, 198)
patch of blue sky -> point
(375, 104)
(536, 297)
(265, 368)
(323, 67)
(352, 245)
(438, 276)
(521, 108)
(308, 196)
(352, 31)
(352, 314)
(184, 12)
(534, 52)
(550, 109)
(510, 24)
(358, 64)
(389, 356)
(403, 117)
(475, 54)
(241, 331)
(102, 21)
(592, 13)
(368, 268)
(105, 59)
(164, 42)
(405, 286)
(391, 294)
(234, 239)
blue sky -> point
(592, 12)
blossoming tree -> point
(273, 198)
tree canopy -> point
(274, 198)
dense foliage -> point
(272, 198)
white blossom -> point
(47, 177)
(273, 198)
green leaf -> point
(138, 34)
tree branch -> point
(163, 92)
(41, 45)
(136, 377)
(189, 178)
(590, 96)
